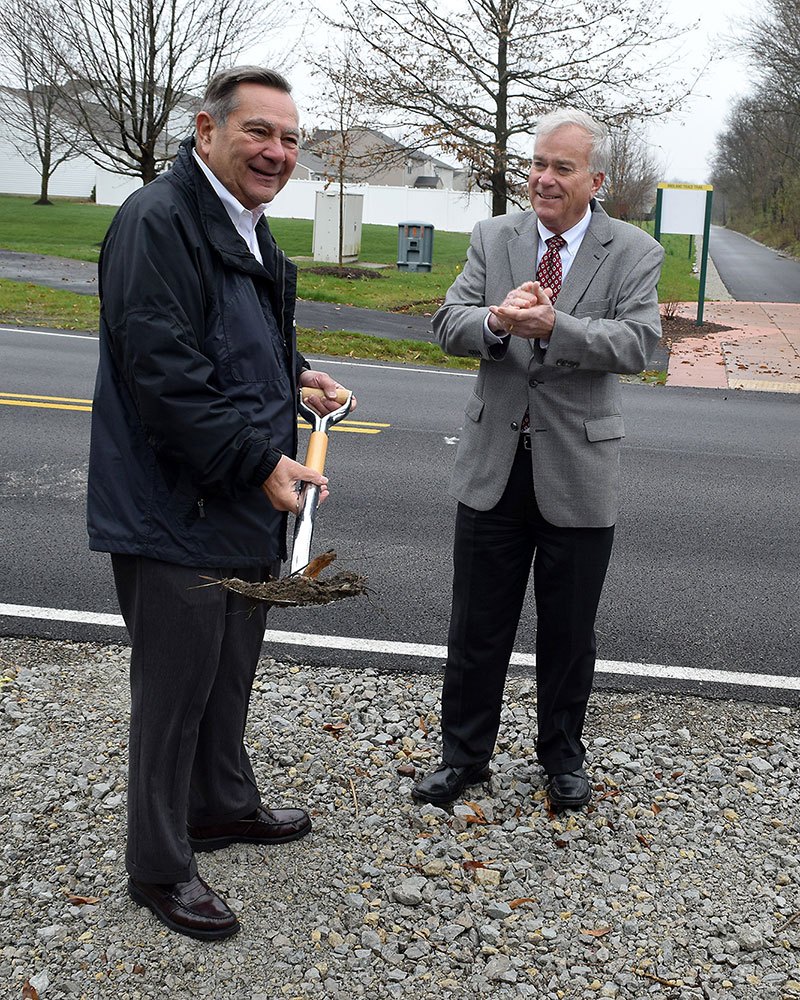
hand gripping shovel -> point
(315, 459)
(302, 586)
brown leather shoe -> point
(264, 826)
(191, 908)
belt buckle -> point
(525, 440)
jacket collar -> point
(219, 229)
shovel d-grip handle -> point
(308, 391)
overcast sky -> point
(684, 145)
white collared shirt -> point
(574, 238)
(244, 219)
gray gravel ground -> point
(680, 881)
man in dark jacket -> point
(191, 473)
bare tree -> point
(31, 102)
(133, 67)
(474, 80)
(353, 150)
(757, 158)
(632, 178)
(339, 101)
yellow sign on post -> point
(686, 209)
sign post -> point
(686, 209)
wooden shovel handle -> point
(309, 391)
(317, 450)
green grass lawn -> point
(76, 229)
(64, 229)
(24, 304)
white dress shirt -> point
(244, 219)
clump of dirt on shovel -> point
(301, 589)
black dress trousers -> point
(194, 652)
(493, 553)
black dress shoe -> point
(191, 908)
(447, 783)
(264, 826)
(570, 790)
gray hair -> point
(600, 150)
(220, 98)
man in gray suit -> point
(537, 467)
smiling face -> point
(561, 183)
(254, 153)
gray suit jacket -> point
(607, 322)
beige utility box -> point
(326, 227)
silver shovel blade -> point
(304, 527)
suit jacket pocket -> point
(605, 428)
(474, 407)
(592, 309)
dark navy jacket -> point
(195, 400)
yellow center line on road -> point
(85, 406)
(51, 399)
(44, 406)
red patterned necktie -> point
(548, 274)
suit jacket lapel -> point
(591, 254)
(522, 251)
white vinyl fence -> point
(451, 211)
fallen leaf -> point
(643, 840)
(83, 900)
(318, 564)
(656, 809)
(422, 725)
(599, 932)
(29, 992)
(479, 813)
(471, 866)
(562, 843)
(520, 902)
(335, 728)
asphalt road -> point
(752, 272)
(705, 571)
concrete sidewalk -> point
(761, 351)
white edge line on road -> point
(654, 671)
(324, 359)
(49, 333)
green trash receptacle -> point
(415, 246)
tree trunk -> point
(147, 166)
(341, 211)
(499, 161)
(43, 190)
(46, 171)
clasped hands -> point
(525, 312)
(282, 486)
